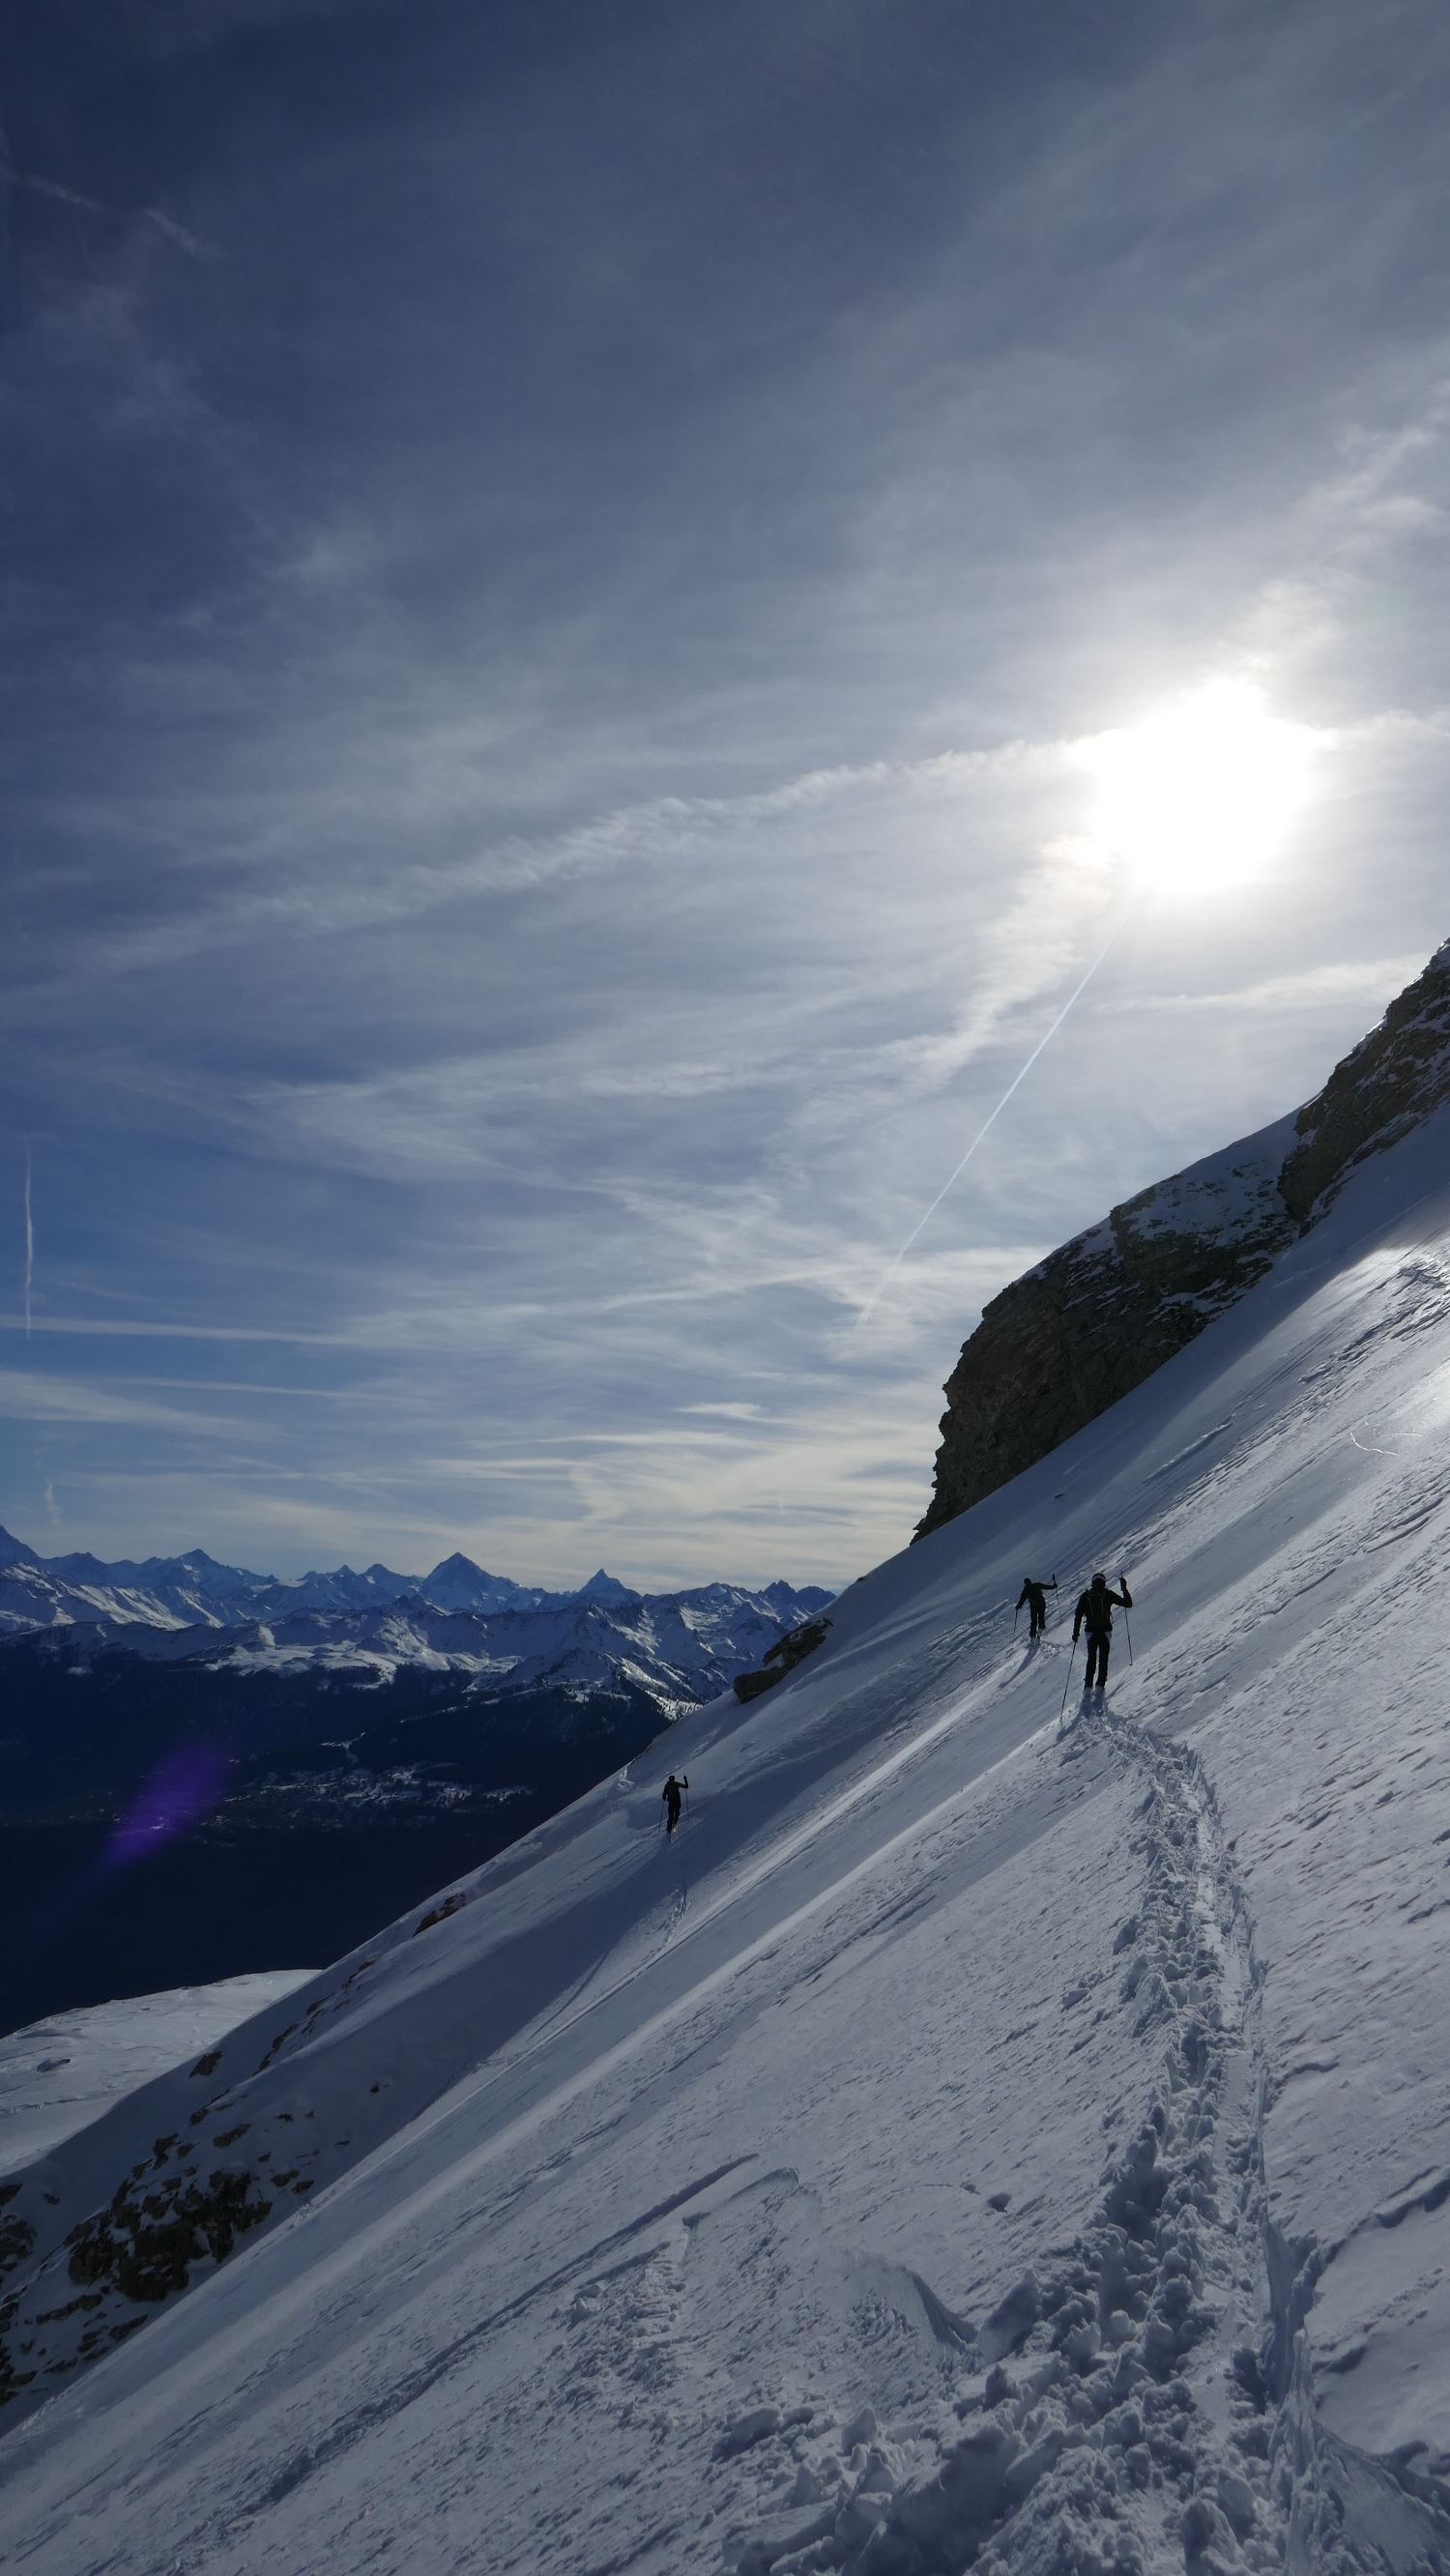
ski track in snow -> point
(972, 2142)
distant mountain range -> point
(194, 1591)
(205, 1771)
(675, 1647)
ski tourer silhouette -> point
(1095, 1613)
(671, 1793)
(1035, 1596)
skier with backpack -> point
(1035, 1595)
(1095, 1613)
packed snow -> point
(978, 2137)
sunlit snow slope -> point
(966, 2142)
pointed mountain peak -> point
(606, 1587)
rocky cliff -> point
(1062, 1343)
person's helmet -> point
(1099, 1578)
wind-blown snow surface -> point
(962, 2140)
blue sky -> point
(567, 570)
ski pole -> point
(1067, 1685)
(1015, 1617)
(687, 1785)
(1127, 1623)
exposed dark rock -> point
(453, 1904)
(1099, 1315)
(1060, 1345)
(750, 1685)
(1385, 1086)
(792, 1650)
(146, 2246)
(788, 1652)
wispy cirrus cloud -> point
(29, 1395)
(548, 687)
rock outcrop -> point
(1099, 1315)
(786, 1654)
(1383, 1088)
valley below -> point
(187, 1801)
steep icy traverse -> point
(974, 2140)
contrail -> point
(29, 1241)
(873, 1302)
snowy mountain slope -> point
(962, 2140)
(61, 2074)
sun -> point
(1200, 797)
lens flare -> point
(184, 1788)
(1200, 797)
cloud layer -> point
(550, 672)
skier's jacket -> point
(1095, 1609)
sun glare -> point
(1201, 797)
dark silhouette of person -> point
(671, 1796)
(1095, 1612)
(1035, 1595)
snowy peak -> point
(1100, 1314)
(173, 1594)
(458, 1584)
(604, 1587)
(671, 1649)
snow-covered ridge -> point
(1093, 1320)
(682, 1646)
(458, 1620)
(194, 1592)
(966, 2143)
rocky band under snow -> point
(974, 2140)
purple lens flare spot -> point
(183, 1788)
